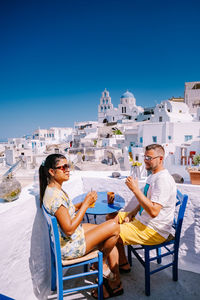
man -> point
(151, 221)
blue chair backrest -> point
(178, 220)
(53, 236)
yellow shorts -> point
(135, 232)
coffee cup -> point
(110, 197)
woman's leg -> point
(104, 236)
(88, 226)
(123, 261)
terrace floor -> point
(162, 286)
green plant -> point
(196, 159)
(117, 132)
(95, 142)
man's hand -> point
(128, 218)
(131, 183)
(132, 214)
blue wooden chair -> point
(58, 265)
(172, 250)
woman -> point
(79, 239)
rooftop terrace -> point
(25, 268)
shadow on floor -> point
(162, 286)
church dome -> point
(127, 94)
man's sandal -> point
(122, 270)
(111, 292)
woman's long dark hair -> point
(44, 176)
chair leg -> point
(129, 255)
(175, 265)
(60, 283)
(158, 251)
(147, 272)
(100, 276)
(53, 274)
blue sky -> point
(56, 57)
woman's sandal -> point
(108, 274)
(109, 290)
(122, 270)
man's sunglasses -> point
(63, 168)
(149, 158)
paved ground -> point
(162, 286)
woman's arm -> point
(62, 215)
(78, 206)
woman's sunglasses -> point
(63, 168)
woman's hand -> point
(131, 183)
(90, 198)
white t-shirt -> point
(162, 190)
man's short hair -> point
(159, 149)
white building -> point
(54, 134)
(198, 114)
(170, 111)
(127, 108)
(192, 95)
(87, 130)
(172, 126)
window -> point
(113, 118)
(108, 106)
(101, 108)
(188, 137)
(160, 119)
(103, 101)
(141, 139)
(169, 137)
(154, 139)
(106, 101)
(124, 110)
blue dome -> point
(127, 95)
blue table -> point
(101, 205)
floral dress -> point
(72, 246)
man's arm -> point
(132, 214)
(152, 208)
